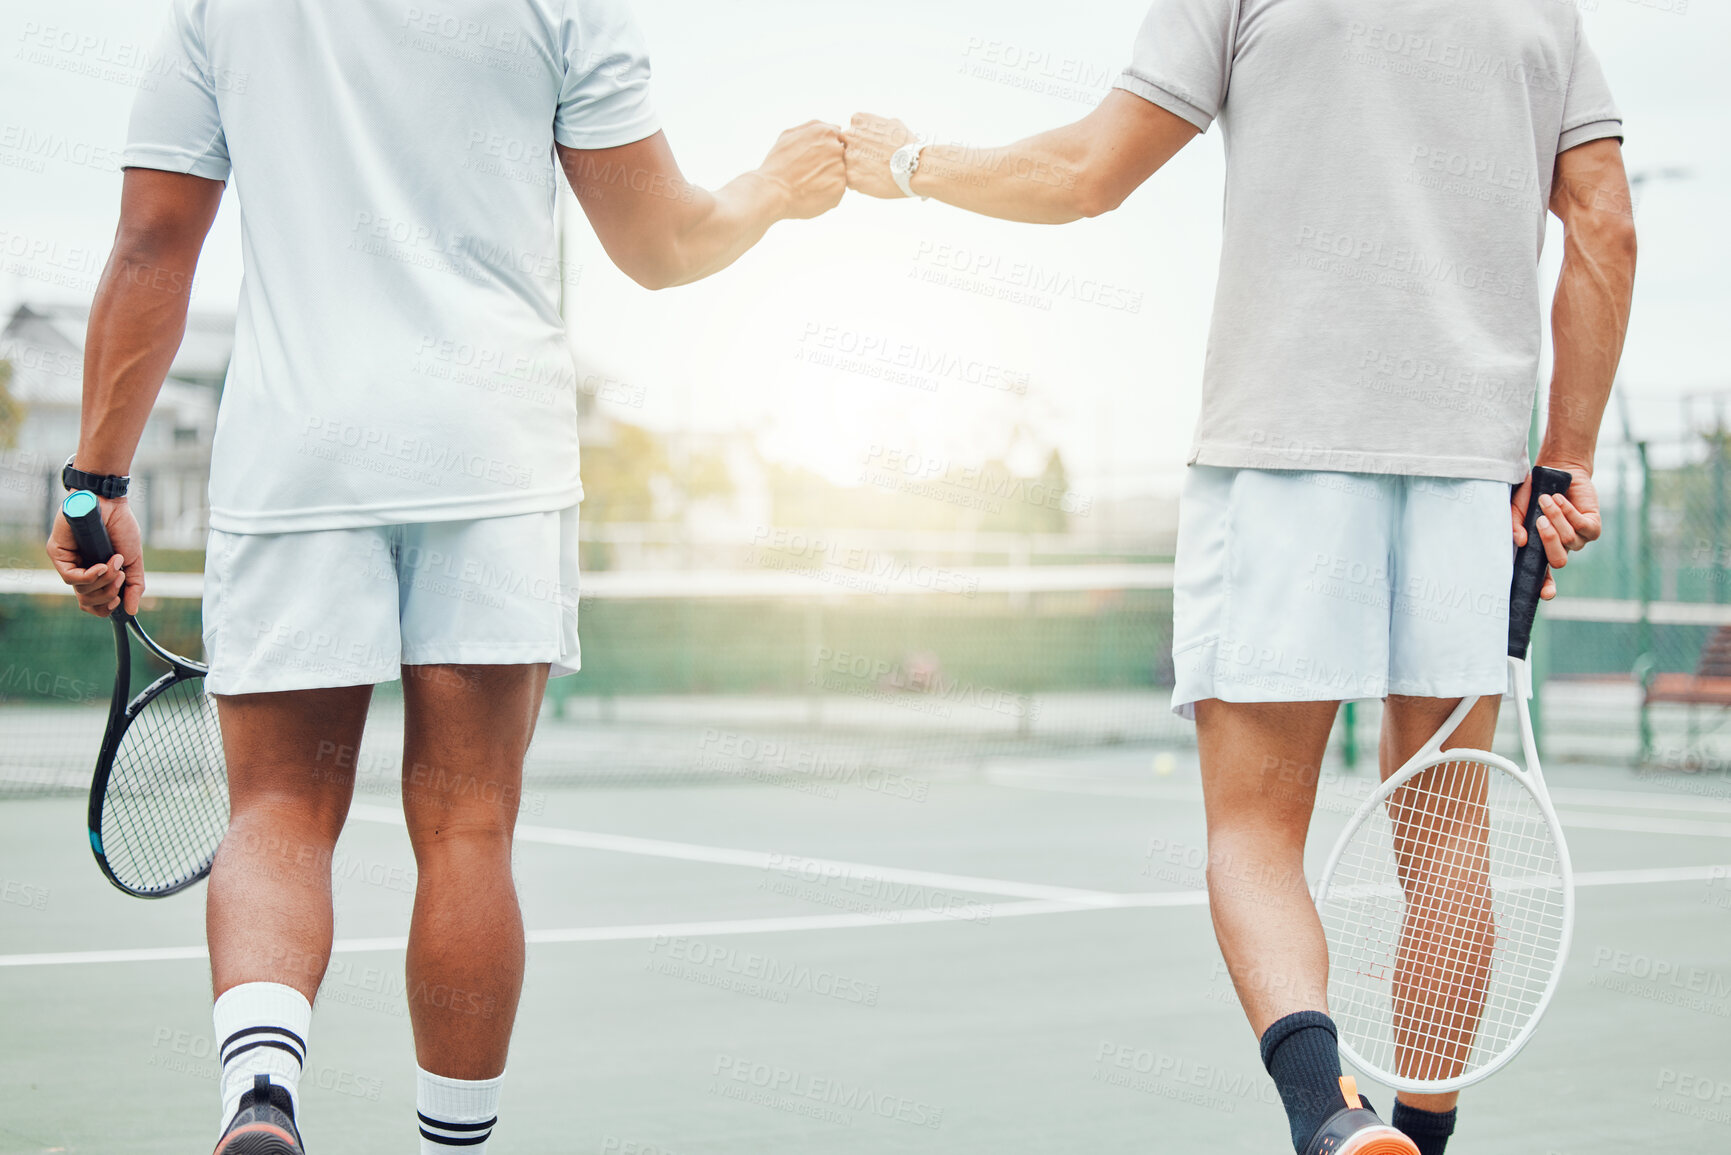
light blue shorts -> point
(351, 607)
(1316, 587)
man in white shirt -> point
(395, 473)
(1344, 532)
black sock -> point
(1302, 1053)
(1429, 1129)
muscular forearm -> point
(721, 228)
(1039, 180)
(139, 314)
(136, 325)
(1588, 322)
(662, 231)
(1080, 170)
(1590, 315)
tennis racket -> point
(1448, 903)
(159, 798)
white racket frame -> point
(1533, 781)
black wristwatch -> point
(107, 485)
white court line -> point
(714, 929)
(1635, 824)
(1631, 800)
(1651, 875)
(1063, 784)
(797, 864)
(979, 912)
(1058, 784)
(76, 957)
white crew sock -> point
(456, 1115)
(261, 1029)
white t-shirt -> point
(1388, 168)
(399, 355)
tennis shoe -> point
(264, 1125)
(1356, 1130)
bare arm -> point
(663, 231)
(136, 323)
(1589, 319)
(1081, 170)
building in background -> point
(44, 347)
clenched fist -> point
(807, 162)
(870, 142)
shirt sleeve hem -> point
(1165, 98)
(641, 127)
(175, 160)
(1589, 132)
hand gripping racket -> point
(1448, 902)
(159, 798)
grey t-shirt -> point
(1388, 167)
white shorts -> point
(1317, 587)
(350, 607)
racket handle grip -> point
(83, 514)
(1531, 566)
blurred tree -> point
(11, 409)
(619, 478)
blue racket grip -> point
(84, 515)
(1530, 563)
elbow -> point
(1624, 242)
(1099, 182)
(1611, 239)
(653, 270)
(653, 279)
(159, 233)
(1093, 196)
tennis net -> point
(818, 678)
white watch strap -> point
(903, 173)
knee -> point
(452, 838)
(272, 821)
(1253, 861)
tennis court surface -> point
(1008, 952)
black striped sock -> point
(455, 1114)
(443, 1133)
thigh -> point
(1453, 562)
(1260, 763)
(294, 754)
(1408, 723)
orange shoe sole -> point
(1384, 1141)
(257, 1139)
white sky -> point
(1115, 389)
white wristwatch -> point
(904, 163)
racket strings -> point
(1444, 918)
(165, 808)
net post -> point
(813, 629)
(1644, 624)
(1349, 736)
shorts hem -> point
(481, 655)
(1448, 689)
(1184, 701)
(238, 685)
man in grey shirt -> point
(1371, 372)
